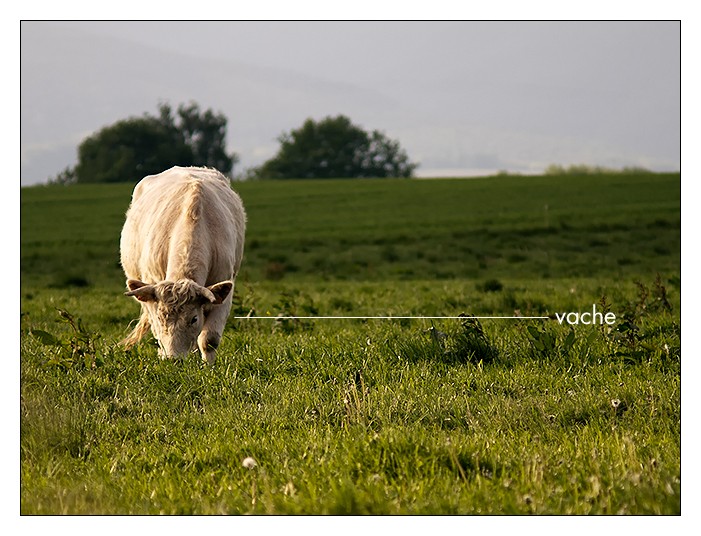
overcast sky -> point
(462, 98)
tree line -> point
(333, 147)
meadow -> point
(400, 416)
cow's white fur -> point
(181, 249)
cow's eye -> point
(193, 321)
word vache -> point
(588, 318)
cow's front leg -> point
(208, 342)
(210, 336)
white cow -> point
(181, 248)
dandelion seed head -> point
(249, 463)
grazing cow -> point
(181, 248)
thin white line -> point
(391, 317)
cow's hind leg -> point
(210, 337)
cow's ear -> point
(221, 291)
(141, 291)
(205, 296)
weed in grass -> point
(79, 350)
(634, 338)
(543, 342)
(470, 343)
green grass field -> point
(413, 416)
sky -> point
(462, 98)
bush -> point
(335, 148)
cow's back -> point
(184, 222)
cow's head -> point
(177, 311)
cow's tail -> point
(138, 332)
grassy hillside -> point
(376, 416)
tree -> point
(335, 148)
(129, 150)
(205, 134)
(133, 148)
